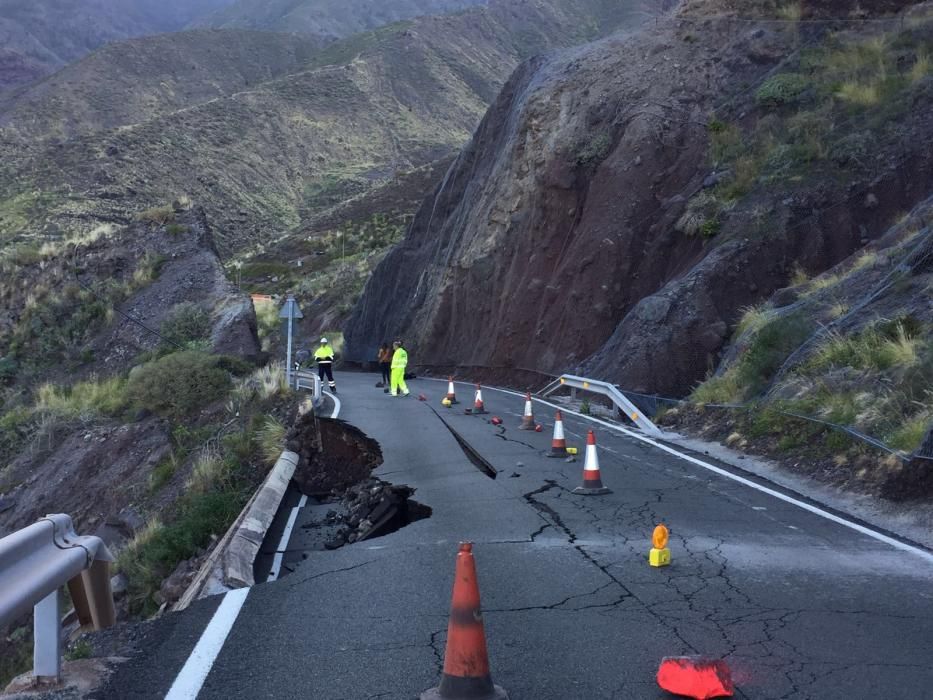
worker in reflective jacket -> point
(325, 364)
(399, 363)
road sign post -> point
(290, 312)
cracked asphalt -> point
(801, 607)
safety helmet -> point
(323, 341)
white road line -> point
(881, 537)
(284, 540)
(336, 401)
(193, 674)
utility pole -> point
(290, 312)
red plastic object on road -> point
(696, 677)
(496, 420)
(422, 397)
(538, 428)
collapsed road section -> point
(333, 500)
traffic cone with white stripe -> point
(528, 420)
(466, 661)
(592, 483)
(451, 393)
(558, 442)
(478, 407)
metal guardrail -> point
(311, 382)
(35, 563)
(608, 390)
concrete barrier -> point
(230, 565)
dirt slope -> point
(621, 203)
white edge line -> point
(284, 540)
(191, 678)
(336, 403)
(903, 546)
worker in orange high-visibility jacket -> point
(399, 363)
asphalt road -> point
(799, 605)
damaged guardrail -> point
(35, 563)
(608, 390)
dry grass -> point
(262, 385)
(267, 319)
(158, 215)
(208, 470)
(868, 350)
(753, 319)
(84, 401)
(271, 439)
(791, 12)
(861, 94)
(868, 259)
(921, 68)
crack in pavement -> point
(502, 436)
(321, 574)
(438, 654)
(625, 593)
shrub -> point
(768, 349)
(781, 89)
(187, 322)
(910, 434)
(723, 389)
(709, 228)
(178, 384)
(236, 366)
(595, 150)
(176, 229)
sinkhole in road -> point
(347, 503)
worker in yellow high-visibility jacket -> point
(399, 363)
(325, 364)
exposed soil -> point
(333, 455)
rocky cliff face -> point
(621, 203)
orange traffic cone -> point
(466, 662)
(451, 394)
(478, 407)
(528, 420)
(592, 483)
(558, 442)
